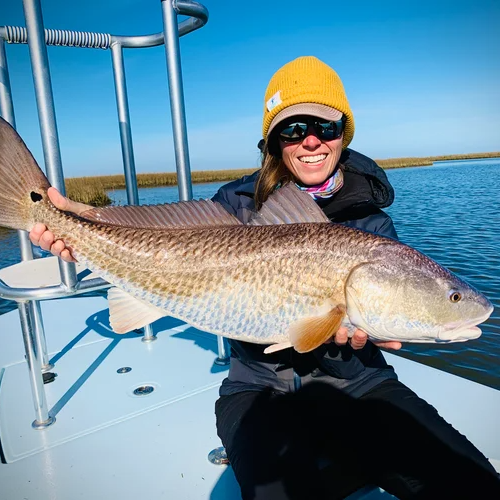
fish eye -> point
(455, 296)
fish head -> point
(404, 295)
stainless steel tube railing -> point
(7, 111)
(124, 123)
(46, 111)
(38, 38)
(51, 292)
(177, 108)
(53, 165)
(33, 358)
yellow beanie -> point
(306, 80)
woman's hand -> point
(44, 238)
(359, 339)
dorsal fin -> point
(288, 205)
(181, 214)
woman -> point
(325, 423)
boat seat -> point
(37, 273)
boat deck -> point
(105, 439)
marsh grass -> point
(93, 190)
(89, 190)
(429, 160)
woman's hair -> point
(273, 172)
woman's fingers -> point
(43, 238)
(359, 339)
(66, 255)
(57, 247)
(46, 240)
(59, 201)
(389, 345)
(63, 203)
(341, 337)
(36, 233)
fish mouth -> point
(460, 335)
(458, 331)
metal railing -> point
(37, 39)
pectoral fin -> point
(309, 333)
(126, 313)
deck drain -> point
(124, 369)
(143, 390)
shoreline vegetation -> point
(93, 190)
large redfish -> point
(288, 278)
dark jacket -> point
(358, 204)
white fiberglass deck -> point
(108, 443)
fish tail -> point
(22, 183)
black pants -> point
(319, 443)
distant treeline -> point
(93, 190)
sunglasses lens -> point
(294, 132)
(326, 130)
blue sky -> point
(422, 78)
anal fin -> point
(277, 347)
(308, 333)
(126, 313)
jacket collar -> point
(247, 187)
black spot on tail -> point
(36, 196)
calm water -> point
(449, 211)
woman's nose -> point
(311, 140)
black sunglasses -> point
(296, 130)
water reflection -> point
(9, 246)
(450, 212)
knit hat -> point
(306, 86)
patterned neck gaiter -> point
(327, 189)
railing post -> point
(6, 104)
(171, 36)
(223, 352)
(7, 111)
(31, 321)
(124, 123)
(42, 418)
(46, 112)
(149, 335)
(172, 49)
(126, 141)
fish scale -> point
(251, 295)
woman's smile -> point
(313, 160)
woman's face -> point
(312, 160)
